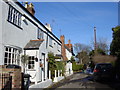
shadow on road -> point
(114, 84)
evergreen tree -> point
(115, 45)
(115, 48)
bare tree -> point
(81, 47)
(82, 52)
(83, 57)
(102, 44)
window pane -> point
(6, 49)
(5, 60)
(9, 60)
(32, 57)
(50, 41)
(32, 62)
(29, 58)
(6, 54)
(29, 66)
(9, 49)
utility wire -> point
(72, 13)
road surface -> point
(85, 82)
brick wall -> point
(16, 76)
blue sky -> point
(76, 20)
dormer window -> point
(40, 34)
(14, 16)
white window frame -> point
(40, 34)
(50, 42)
(31, 63)
(14, 16)
(11, 56)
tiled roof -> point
(33, 44)
(67, 48)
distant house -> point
(67, 53)
(23, 34)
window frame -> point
(50, 42)
(30, 63)
(13, 56)
(14, 16)
(40, 34)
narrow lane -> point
(84, 81)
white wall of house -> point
(12, 36)
(68, 70)
(68, 54)
(68, 67)
(35, 73)
(1, 48)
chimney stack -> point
(48, 27)
(30, 8)
(69, 41)
(62, 39)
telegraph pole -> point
(95, 42)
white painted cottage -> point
(21, 33)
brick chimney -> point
(62, 39)
(63, 51)
(30, 8)
(69, 41)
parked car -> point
(89, 71)
(103, 71)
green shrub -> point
(77, 67)
(55, 65)
(52, 64)
(61, 66)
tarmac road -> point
(83, 81)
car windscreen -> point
(104, 66)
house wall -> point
(55, 48)
(1, 49)
(45, 48)
(68, 54)
(12, 36)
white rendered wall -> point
(68, 54)
(1, 46)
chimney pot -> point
(48, 27)
(26, 4)
(30, 8)
(31, 5)
(69, 41)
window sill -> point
(15, 25)
(31, 70)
